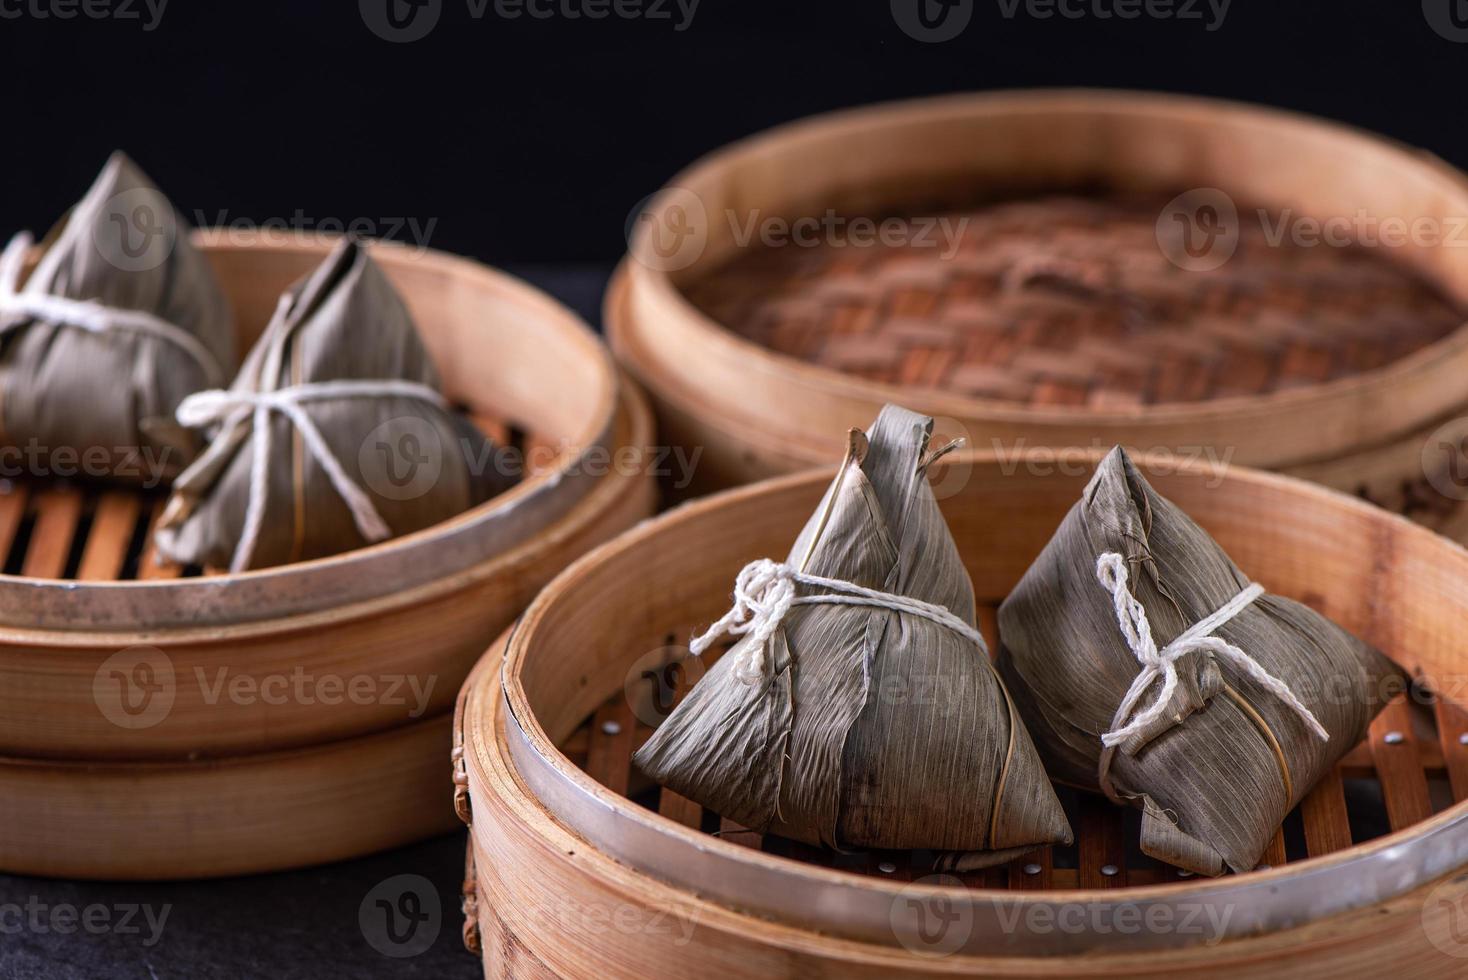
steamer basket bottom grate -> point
(1080, 301)
(72, 530)
(1413, 764)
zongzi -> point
(860, 708)
(1150, 668)
(333, 435)
(120, 319)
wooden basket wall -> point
(557, 813)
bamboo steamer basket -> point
(1288, 359)
(216, 784)
(578, 866)
(310, 804)
(423, 605)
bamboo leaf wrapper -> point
(867, 727)
(1216, 768)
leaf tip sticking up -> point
(857, 445)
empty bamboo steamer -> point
(158, 721)
(580, 866)
(1064, 268)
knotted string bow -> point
(18, 308)
(764, 594)
(1111, 571)
(232, 408)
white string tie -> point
(1111, 571)
(17, 308)
(764, 594)
(232, 408)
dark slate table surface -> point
(314, 923)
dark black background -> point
(527, 142)
(531, 140)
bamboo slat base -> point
(1393, 786)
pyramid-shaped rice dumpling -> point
(869, 716)
(333, 436)
(120, 319)
(1265, 694)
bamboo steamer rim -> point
(632, 427)
(506, 522)
(840, 903)
(654, 301)
(427, 635)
